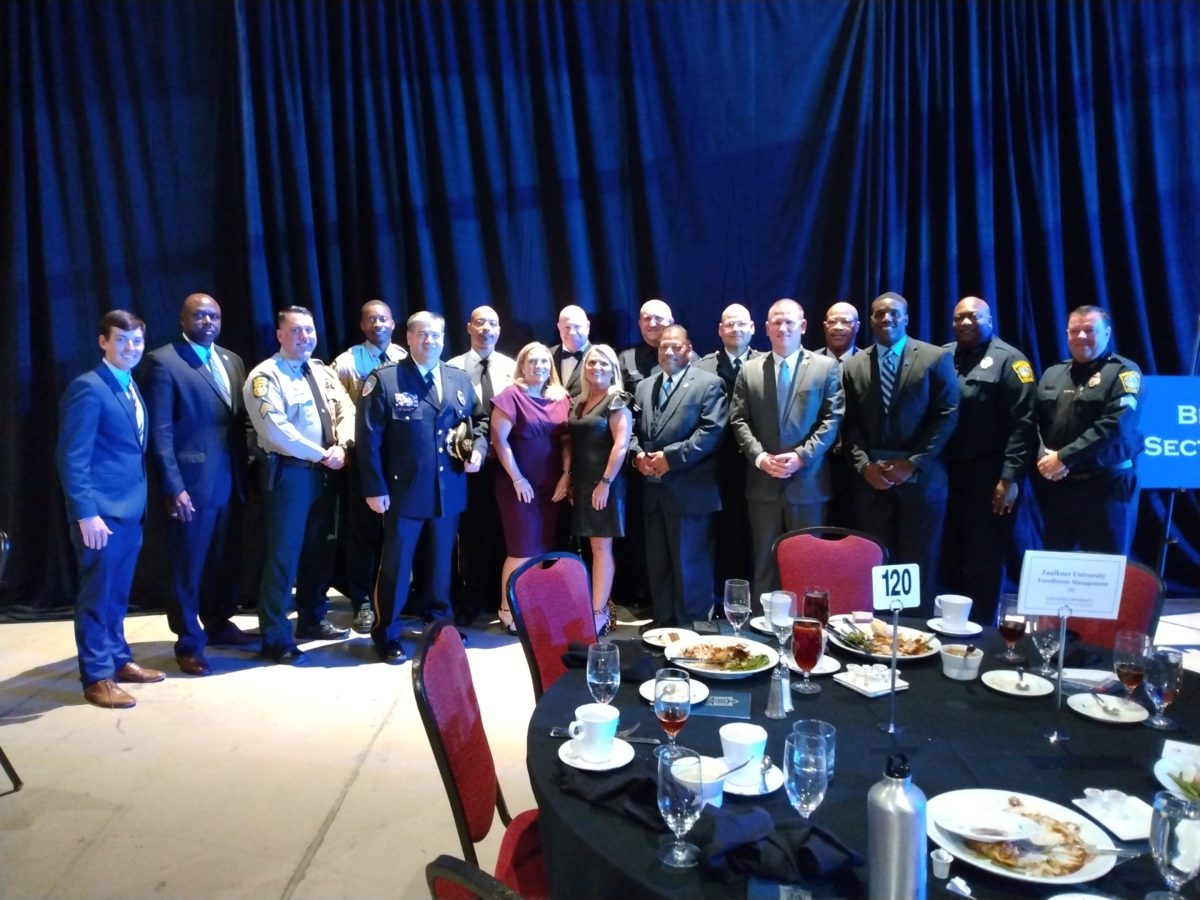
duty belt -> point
(1111, 470)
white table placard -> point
(896, 584)
(1089, 583)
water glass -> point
(680, 798)
(737, 603)
(1045, 633)
(825, 731)
(1174, 842)
(603, 671)
(806, 775)
(1162, 680)
(779, 617)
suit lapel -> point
(189, 355)
(662, 416)
(123, 399)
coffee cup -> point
(953, 608)
(741, 741)
(593, 731)
(960, 665)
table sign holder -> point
(891, 727)
(1058, 734)
(895, 588)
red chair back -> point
(450, 712)
(551, 600)
(1141, 594)
(834, 558)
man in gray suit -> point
(683, 414)
(786, 411)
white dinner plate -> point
(1006, 680)
(964, 630)
(760, 624)
(661, 637)
(1165, 768)
(985, 799)
(847, 621)
(699, 691)
(1127, 712)
(774, 783)
(827, 666)
(622, 755)
(685, 649)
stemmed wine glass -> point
(1012, 626)
(1129, 660)
(1045, 633)
(779, 617)
(1176, 851)
(1162, 679)
(805, 772)
(680, 798)
(603, 671)
(808, 646)
(672, 702)
(816, 604)
(737, 603)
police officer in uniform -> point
(987, 456)
(305, 422)
(1087, 412)
(411, 433)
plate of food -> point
(722, 656)
(661, 637)
(1058, 851)
(873, 639)
(1181, 776)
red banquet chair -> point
(449, 877)
(450, 713)
(551, 600)
(837, 559)
(1141, 596)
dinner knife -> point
(559, 732)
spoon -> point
(764, 769)
(1021, 685)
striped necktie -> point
(887, 377)
(218, 374)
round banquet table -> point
(956, 735)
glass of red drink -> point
(816, 604)
(1129, 659)
(1011, 627)
(808, 646)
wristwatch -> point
(604, 479)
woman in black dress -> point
(600, 426)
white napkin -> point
(1178, 751)
(1090, 677)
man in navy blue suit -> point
(674, 446)
(406, 420)
(198, 442)
(101, 462)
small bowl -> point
(957, 665)
(712, 770)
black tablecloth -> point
(957, 735)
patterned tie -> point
(139, 414)
(218, 374)
(486, 392)
(664, 393)
(783, 389)
(887, 377)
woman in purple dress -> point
(529, 438)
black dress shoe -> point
(391, 652)
(321, 631)
(229, 635)
(284, 656)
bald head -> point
(972, 322)
(573, 328)
(200, 319)
(841, 327)
(484, 329)
(654, 316)
(736, 328)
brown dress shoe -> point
(193, 664)
(131, 671)
(105, 693)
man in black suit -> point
(841, 331)
(574, 329)
(786, 412)
(901, 408)
(733, 557)
(841, 334)
(198, 443)
(683, 415)
(101, 462)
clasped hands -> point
(652, 464)
(1052, 468)
(883, 476)
(782, 465)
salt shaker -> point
(896, 835)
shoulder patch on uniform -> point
(1131, 381)
(259, 385)
(369, 384)
(1024, 371)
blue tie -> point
(783, 388)
(664, 393)
(887, 377)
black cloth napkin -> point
(1083, 656)
(638, 664)
(626, 793)
(747, 841)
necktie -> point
(783, 388)
(218, 374)
(486, 391)
(887, 377)
(664, 393)
(139, 414)
(327, 439)
(737, 365)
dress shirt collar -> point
(123, 376)
(897, 348)
(792, 360)
(201, 350)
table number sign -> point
(1089, 583)
(892, 585)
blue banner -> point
(1171, 425)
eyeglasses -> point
(846, 322)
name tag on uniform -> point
(404, 401)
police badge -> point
(462, 400)
(986, 362)
(1094, 381)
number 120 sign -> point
(896, 586)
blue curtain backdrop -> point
(529, 154)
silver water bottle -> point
(896, 835)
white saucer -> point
(1005, 681)
(774, 783)
(622, 755)
(760, 624)
(699, 691)
(827, 666)
(1086, 704)
(968, 628)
